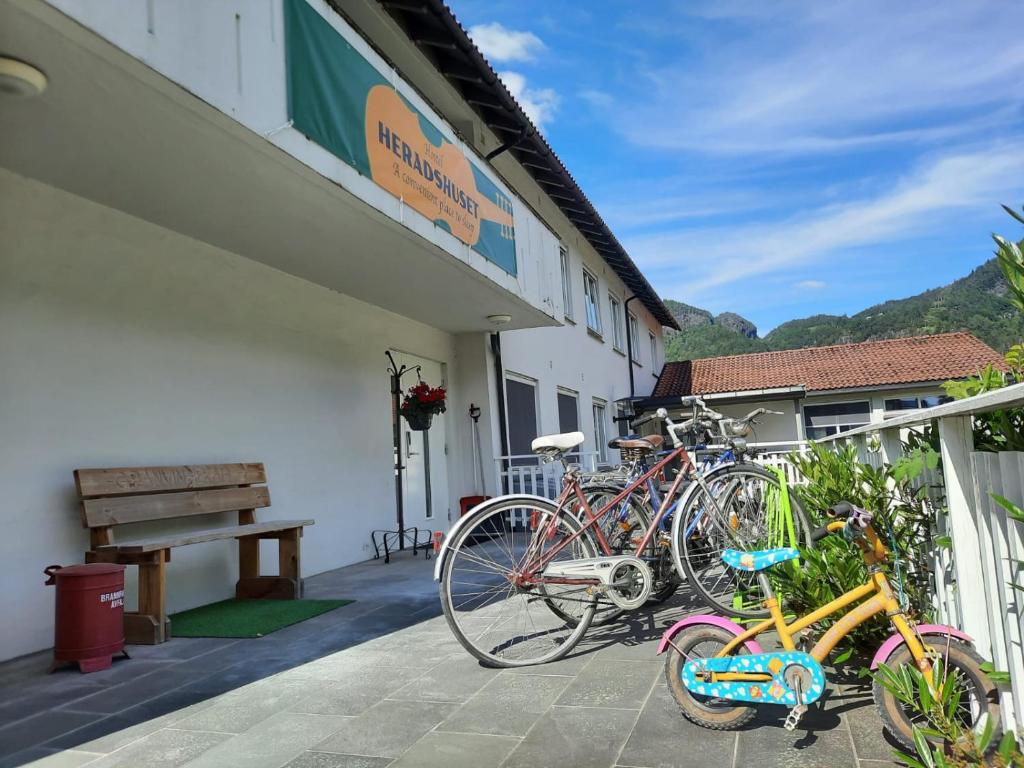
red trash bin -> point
(89, 614)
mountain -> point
(976, 303)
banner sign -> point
(344, 103)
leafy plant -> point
(835, 566)
(937, 703)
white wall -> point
(125, 344)
(574, 358)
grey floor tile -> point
(38, 757)
(611, 683)
(453, 680)
(457, 750)
(578, 736)
(507, 706)
(870, 741)
(386, 729)
(39, 729)
(353, 694)
(107, 735)
(278, 740)
(163, 749)
(771, 746)
(331, 760)
(569, 666)
(240, 710)
(663, 738)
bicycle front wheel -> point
(736, 507)
(499, 617)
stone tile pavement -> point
(382, 682)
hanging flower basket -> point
(420, 404)
(419, 421)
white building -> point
(206, 252)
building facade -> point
(216, 221)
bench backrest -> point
(137, 494)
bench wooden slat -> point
(195, 537)
(133, 509)
(136, 480)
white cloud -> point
(805, 77)
(809, 285)
(539, 104)
(918, 203)
(501, 44)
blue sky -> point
(779, 159)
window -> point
(601, 430)
(654, 353)
(824, 420)
(521, 407)
(568, 413)
(590, 296)
(615, 307)
(566, 282)
(913, 403)
(634, 338)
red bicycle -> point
(521, 576)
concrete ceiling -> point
(112, 130)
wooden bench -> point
(113, 497)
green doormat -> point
(247, 618)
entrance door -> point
(421, 458)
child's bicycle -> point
(716, 669)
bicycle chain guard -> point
(777, 690)
(627, 580)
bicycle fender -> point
(462, 521)
(716, 621)
(889, 646)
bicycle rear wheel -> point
(736, 508)
(495, 617)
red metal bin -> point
(89, 614)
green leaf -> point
(943, 542)
(985, 737)
(844, 656)
(1013, 213)
(911, 762)
(1011, 509)
(1007, 746)
(924, 750)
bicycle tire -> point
(697, 559)
(488, 529)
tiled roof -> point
(866, 364)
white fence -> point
(980, 579)
(776, 456)
(528, 473)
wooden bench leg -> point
(287, 585)
(150, 625)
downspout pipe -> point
(629, 346)
(499, 387)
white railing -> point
(528, 473)
(979, 581)
(776, 456)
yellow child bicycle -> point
(718, 672)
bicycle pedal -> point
(794, 717)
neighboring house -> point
(825, 390)
(219, 217)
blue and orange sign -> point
(345, 104)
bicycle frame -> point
(882, 599)
(573, 490)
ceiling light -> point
(500, 319)
(20, 79)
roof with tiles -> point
(843, 366)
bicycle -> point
(718, 673)
(521, 576)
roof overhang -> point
(432, 27)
